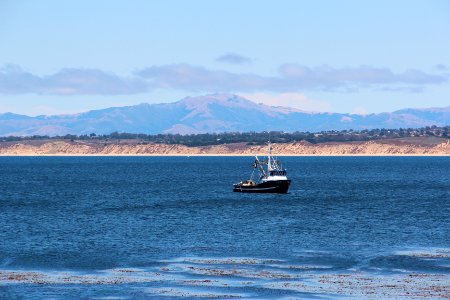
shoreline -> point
(394, 147)
(222, 155)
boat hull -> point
(275, 186)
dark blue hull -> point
(276, 186)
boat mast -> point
(269, 163)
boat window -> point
(277, 173)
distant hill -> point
(212, 113)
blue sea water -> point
(170, 227)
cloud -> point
(69, 81)
(14, 80)
(441, 67)
(295, 100)
(234, 59)
(290, 78)
(187, 77)
(327, 77)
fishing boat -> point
(271, 177)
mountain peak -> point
(429, 109)
(218, 98)
(220, 112)
(12, 116)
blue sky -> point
(343, 56)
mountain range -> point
(212, 113)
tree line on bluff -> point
(254, 138)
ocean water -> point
(171, 227)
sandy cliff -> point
(63, 147)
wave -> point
(243, 277)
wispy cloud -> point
(69, 81)
(291, 78)
(234, 59)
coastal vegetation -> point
(254, 138)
